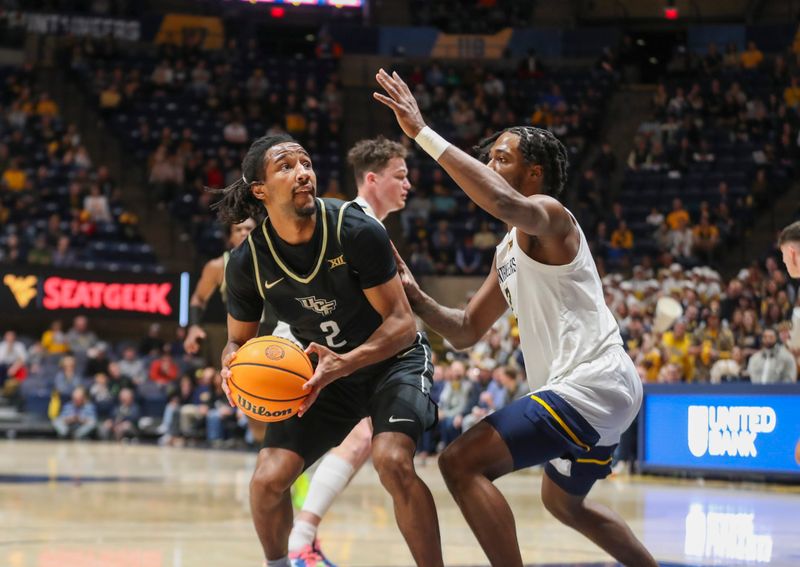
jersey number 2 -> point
(331, 330)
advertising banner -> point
(36, 291)
(723, 428)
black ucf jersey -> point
(327, 304)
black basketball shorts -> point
(394, 393)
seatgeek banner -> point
(36, 291)
(751, 429)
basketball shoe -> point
(310, 556)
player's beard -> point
(306, 210)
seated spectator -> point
(97, 359)
(132, 367)
(54, 341)
(670, 374)
(729, 369)
(712, 62)
(468, 258)
(152, 344)
(639, 154)
(655, 219)
(711, 342)
(235, 132)
(705, 240)
(453, 402)
(64, 256)
(704, 153)
(193, 411)
(485, 239)
(442, 239)
(514, 385)
(68, 378)
(78, 418)
(79, 338)
(420, 261)
(681, 242)
(123, 423)
(220, 413)
(41, 254)
(676, 344)
(163, 370)
(12, 351)
(752, 57)
(96, 204)
(773, 364)
(14, 177)
(677, 214)
(791, 94)
(102, 397)
(622, 237)
(731, 58)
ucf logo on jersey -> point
(321, 306)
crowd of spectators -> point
(90, 388)
(744, 329)
(721, 146)
(191, 114)
(56, 206)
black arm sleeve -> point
(244, 302)
(367, 248)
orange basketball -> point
(267, 377)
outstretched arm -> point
(462, 328)
(531, 215)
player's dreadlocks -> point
(538, 147)
(238, 203)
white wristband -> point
(431, 142)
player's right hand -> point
(225, 372)
(410, 285)
(192, 342)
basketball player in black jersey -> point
(328, 270)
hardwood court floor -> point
(108, 505)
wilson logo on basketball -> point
(274, 352)
(247, 405)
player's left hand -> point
(330, 367)
(401, 101)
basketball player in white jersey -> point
(544, 271)
(381, 176)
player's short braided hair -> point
(238, 203)
(538, 147)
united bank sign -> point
(130, 295)
(721, 428)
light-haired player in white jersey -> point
(381, 175)
(545, 272)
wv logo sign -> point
(22, 287)
(322, 306)
(728, 430)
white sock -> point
(303, 534)
(282, 562)
(330, 478)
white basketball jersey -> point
(564, 328)
(561, 311)
(362, 202)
